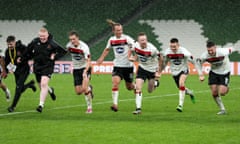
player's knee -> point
(215, 94)
(79, 91)
(44, 85)
(130, 87)
(223, 93)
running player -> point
(81, 67)
(178, 57)
(21, 70)
(123, 68)
(44, 51)
(150, 63)
(219, 75)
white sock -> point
(181, 97)
(49, 89)
(7, 90)
(138, 100)
(41, 103)
(115, 97)
(88, 101)
(219, 102)
(89, 88)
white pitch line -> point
(100, 103)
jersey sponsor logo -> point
(175, 56)
(143, 52)
(176, 61)
(143, 59)
(75, 50)
(118, 42)
(120, 50)
(77, 57)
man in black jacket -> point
(44, 51)
(20, 70)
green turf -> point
(64, 121)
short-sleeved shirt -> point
(79, 54)
(178, 60)
(147, 57)
(120, 47)
(220, 63)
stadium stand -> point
(188, 32)
(88, 17)
(25, 30)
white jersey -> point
(179, 60)
(220, 63)
(79, 54)
(148, 57)
(120, 47)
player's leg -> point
(115, 91)
(215, 93)
(138, 94)
(44, 92)
(128, 77)
(31, 85)
(152, 80)
(224, 82)
(223, 90)
(5, 89)
(140, 79)
(182, 89)
(151, 85)
(78, 81)
(19, 80)
(214, 81)
(87, 91)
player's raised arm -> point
(103, 55)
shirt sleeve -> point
(87, 52)
(130, 42)
(226, 51)
(109, 44)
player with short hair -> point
(44, 51)
(149, 67)
(178, 57)
(123, 69)
(219, 75)
(81, 59)
(21, 70)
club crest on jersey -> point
(77, 57)
(176, 61)
(142, 59)
(120, 50)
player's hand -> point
(19, 60)
(132, 59)
(157, 74)
(201, 78)
(52, 57)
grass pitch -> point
(64, 120)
